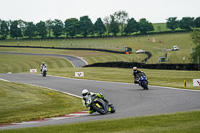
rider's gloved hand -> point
(105, 100)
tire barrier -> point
(149, 56)
(103, 50)
(162, 66)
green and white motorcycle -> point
(99, 105)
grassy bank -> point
(163, 43)
(21, 63)
(171, 123)
(90, 56)
(22, 102)
(170, 78)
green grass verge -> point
(22, 102)
(21, 63)
(169, 78)
(187, 122)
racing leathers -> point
(91, 110)
(136, 75)
(41, 67)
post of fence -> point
(184, 83)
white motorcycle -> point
(44, 71)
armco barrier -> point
(192, 67)
(104, 50)
(149, 56)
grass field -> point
(20, 63)
(188, 122)
(90, 56)
(160, 27)
(22, 102)
(183, 41)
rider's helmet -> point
(135, 69)
(43, 63)
(85, 92)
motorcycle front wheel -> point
(99, 108)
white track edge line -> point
(48, 88)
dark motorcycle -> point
(99, 105)
(143, 81)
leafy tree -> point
(131, 27)
(58, 28)
(197, 22)
(86, 26)
(71, 27)
(187, 23)
(99, 27)
(196, 37)
(144, 26)
(196, 41)
(122, 18)
(49, 25)
(107, 21)
(172, 23)
(114, 26)
(4, 31)
(31, 30)
(22, 25)
(15, 31)
(41, 29)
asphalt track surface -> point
(75, 61)
(128, 99)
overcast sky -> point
(154, 11)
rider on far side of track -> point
(136, 74)
(42, 65)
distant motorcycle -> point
(99, 105)
(143, 81)
(44, 71)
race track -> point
(75, 61)
(129, 99)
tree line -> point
(117, 23)
(195, 55)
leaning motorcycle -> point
(99, 105)
(44, 71)
(143, 81)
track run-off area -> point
(75, 61)
(129, 100)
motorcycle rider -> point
(136, 74)
(86, 93)
(42, 65)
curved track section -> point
(129, 99)
(75, 61)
